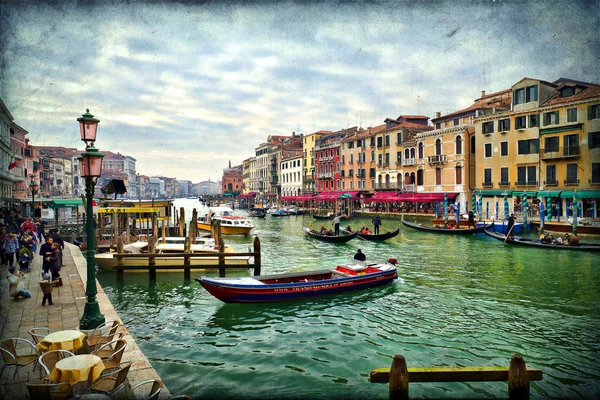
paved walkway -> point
(18, 316)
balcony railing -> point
(571, 182)
(526, 183)
(504, 183)
(325, 175)
(487, 184)
(439, 159)
(409, 161)
(551, 182)
(560, 152)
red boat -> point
(299, 285)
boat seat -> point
(355, 265)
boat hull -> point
(516, 240)
(342, 238)
(461, 231)
(229, 293)
(227, 230)
(380, 237)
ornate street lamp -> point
(33, 186)
(91, 169)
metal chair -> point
(49, 391)
(39, 333)
(155, 388)
(113, 382)
(94, 342)
(8, 347)
(111, 353)
(49, 359)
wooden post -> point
(115, 228)
(162, 231)
(194, 225)
(257, 260)
(127, 229)
(152, 260)
(187, 249)
(221, 256)
(154, 227)
(120, 262)
(181, 222)
(398, 379)
(518, 380)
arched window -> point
(387, 180)
(421, 150)
(458, 145)
(406, 178)
(438, 176)
(412, 178)
(407, 153)
(458, 178)
(438, 147)
(472, 144)
(419, 177)
(412, 153)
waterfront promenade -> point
(18, 316)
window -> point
(532, 175)
(567, 91)
(594, 111)
(399, 138)
(572, 115)
(521, 122)
(519, 96)
(458, 175)
(551, 144)
(488, 150)
(531, 93)
(487, 177)
(551, 118)
(399, 158)
(571, 143)
(504, 176)
(387, 140)
(438, 176)
(438, 125)
(551, 175)
(534, 120)
(525, 95)
(344, 158)
(458, 145)
(456, 121)
(593, 140)
(530, 146)
(371, 172)
(421, 150)
(595, 173)
(488, 127)
(387, 158)
(351, 159)
(572, 174)
(504, 125)
(350, 145)
(521, 175)
(379, 142)
(503, 149)
(372, 156)
(472, 144)
(438, 147)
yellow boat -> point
(230, 224)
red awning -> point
(298, 198)
(425, 197)
(329, 196)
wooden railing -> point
(399, 376)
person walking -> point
(11, 247)
(45, 252)
(58, 239)
(376, 224)
(336, 224)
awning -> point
(551, 193)
(329, 196)
(561, 129)
(271, 195)
(68, 203)
(494, 192)
(298, 198)
(529, 194)
(247, 195)
(426, 197)
(581, 194)
(384, 197)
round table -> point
(62, 340)
(77, 369)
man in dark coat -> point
(376, 224)
(58, 239)
(46, 252)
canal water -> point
(460, 301)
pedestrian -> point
(511, 223)
(53, 265)
(24, 259)
(45, 252)
(376, 224)
(360, 256)
(11, 247)
(17, 285)
(58, 239)
(46, 286)
(471, 219)
(2, 254)
(336, 224)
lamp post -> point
(33, 186)
(91, 169)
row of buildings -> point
(537, 138)
(52, 172)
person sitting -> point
(559, 240)
(323, 230)
(549, 238)
(360, 256)
(573, 240)
(17, 286)
(348, 229)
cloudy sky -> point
(184, 88)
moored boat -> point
(380, 237)
(521, 241)
(449, 231)
(343, 237)
(299, 285)
(280, 213)
(230, 224)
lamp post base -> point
(91, 318)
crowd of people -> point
(19, 241)
(568, 239)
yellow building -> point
(308, 160)
(547, 147)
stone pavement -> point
(18, 316)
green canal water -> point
(460, 301)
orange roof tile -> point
(587, 93)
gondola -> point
(322, 216)
(453, 231)
(342, 238)
(380, 237)
(595, 247)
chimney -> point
(482, 93)
(438, 114)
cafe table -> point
(70, 340)
(77, 369)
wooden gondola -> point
(315, 216)
(453, 231)
(342, 238)
(380, 237)
(595, 247)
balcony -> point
(553, 153)
(439, 159)
(487, 184)
(503, 183)
(571, 182)
(409, 161)
(325, 175)
(552, 182)
(388, 185)
(526, 183)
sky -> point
(185, 88)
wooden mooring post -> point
(399, 376)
